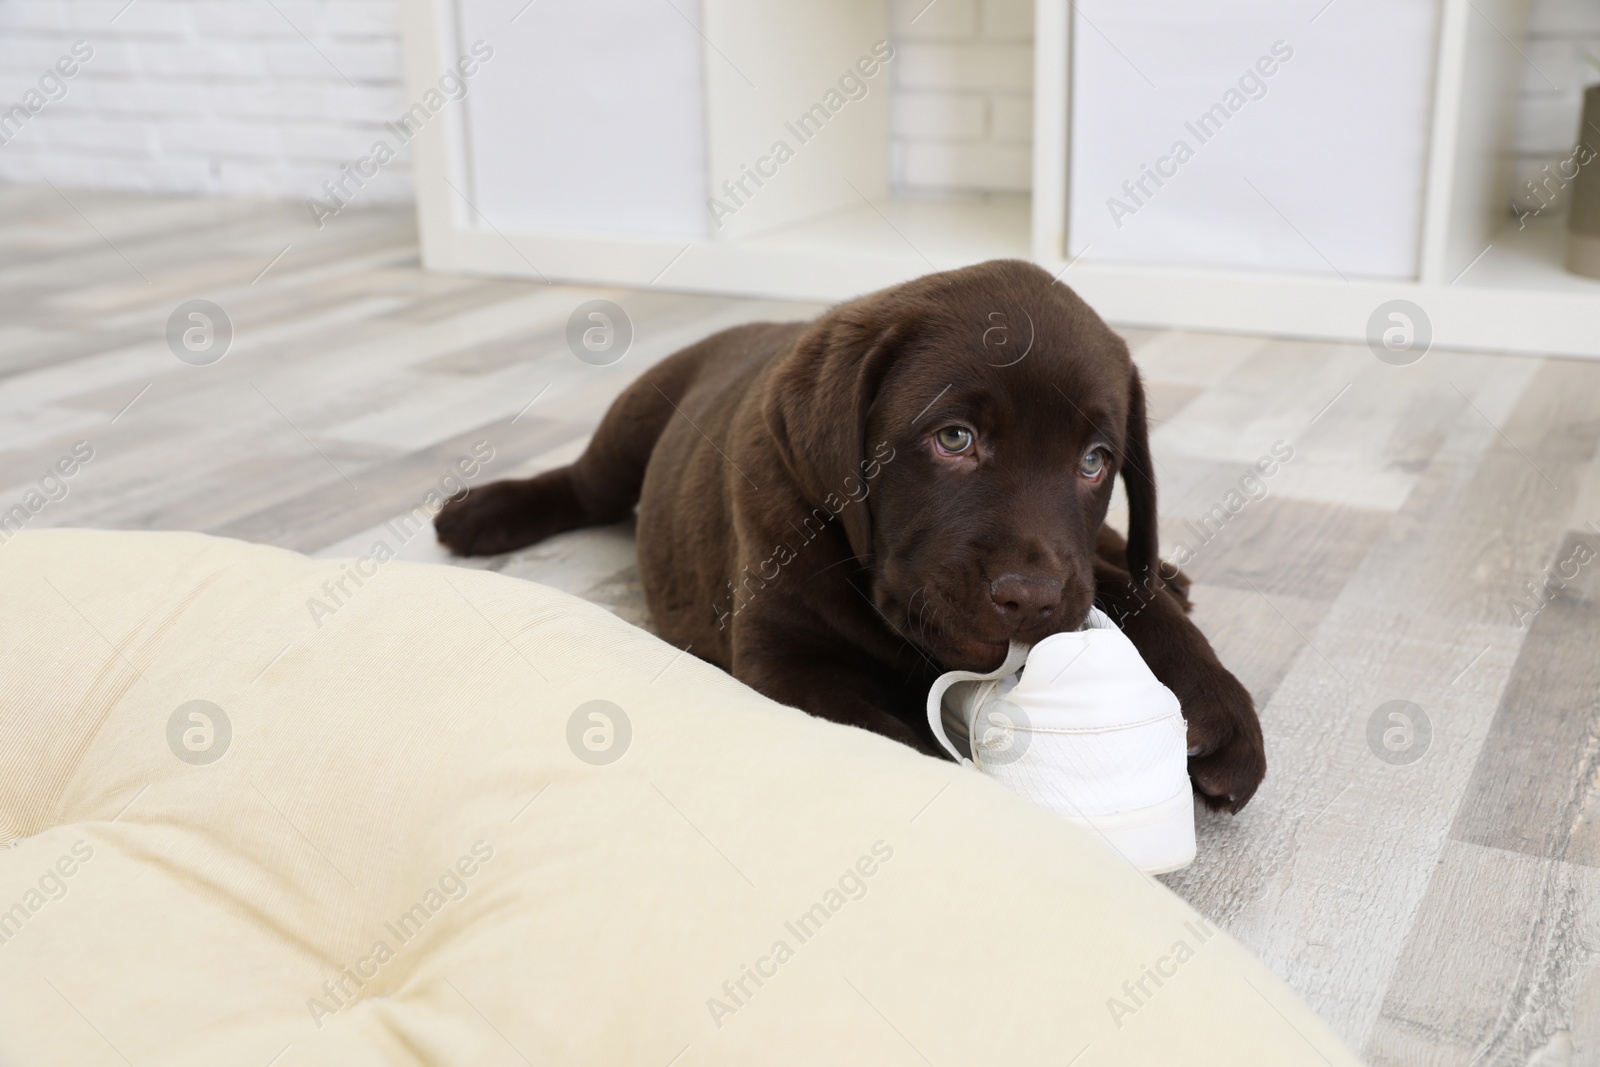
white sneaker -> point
(1085, 730)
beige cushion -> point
(399, 774)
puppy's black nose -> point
(1023, 598)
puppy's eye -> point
(954, 440)
(1094, 463)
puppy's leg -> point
(601, 487)
(830, 686)
(837, 699)
(1227, 757)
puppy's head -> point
(971, 425)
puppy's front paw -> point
(1227, 757)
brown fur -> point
(799, 528)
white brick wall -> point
(227, 97)
(1563, 51)
(960, 110)
(221, 97)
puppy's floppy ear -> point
(1139, 481)
(817, 406)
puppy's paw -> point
(1227, 757)
(487, 521)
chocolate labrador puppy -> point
(839, 511)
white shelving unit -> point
(825, 225)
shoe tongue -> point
(1098, 620)
(951, 704)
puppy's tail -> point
(601, 487)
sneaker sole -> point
(1158, 839)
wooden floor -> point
(1437, 900)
